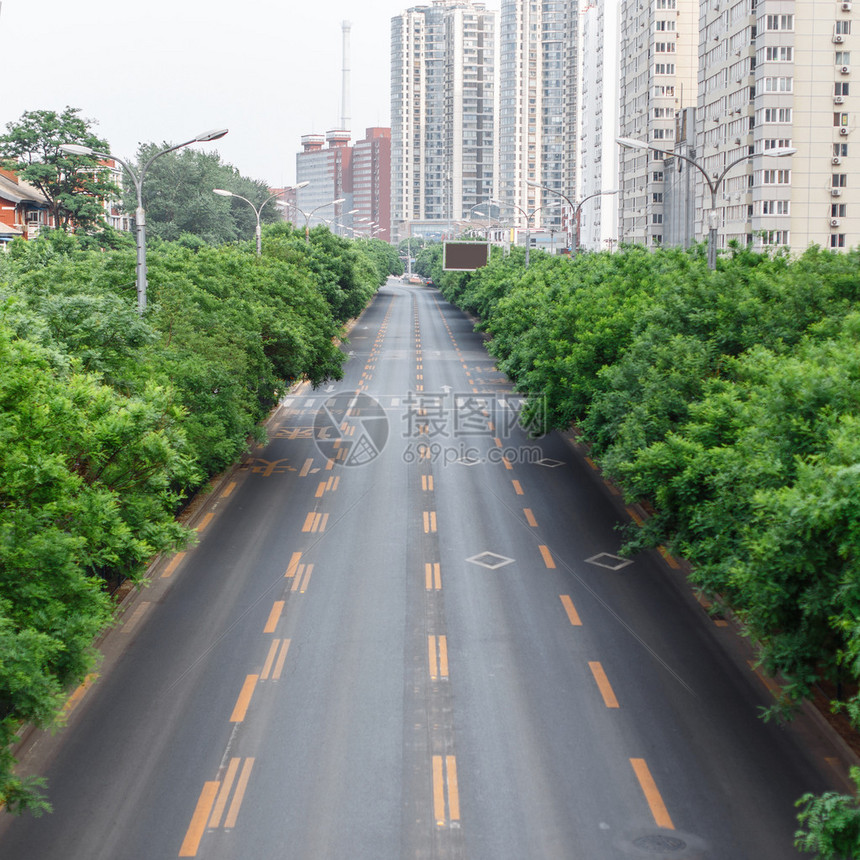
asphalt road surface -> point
(406, 632)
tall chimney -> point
(345, 118)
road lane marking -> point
(530, 517)
(174, 563)
(427, 483)
(517, 488)
(239, 795)
(194, 834)
(241, 706)
(570, 609)
(228, 490)
(431, 653)
(438, 791)
(507, 463)
(136, 617)
(429, 521)
(320, 490)
(437, 652)
(445, 781)
(453, 788)
(270, 659)
(315, 522)
(306, 468)
(224, 793)
(635, 517)
(432, 576)
(591, 463)
(603, 685)
(274, 616)
(547, 557)
(652, 795)
(293, 565)
(205, 522)
(669, 560)
(300, 582)
(282, 656)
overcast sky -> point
(165, 70)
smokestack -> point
(345, 118)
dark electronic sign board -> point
(465, 256)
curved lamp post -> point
(575, 209)
(257, 210)
(528, 216)
(140, 215)
(308, 214)
(713, 184)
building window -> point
(840, 150)
(838, 210)
(656, 218)
(841, 88)
(779, 54)
(840, 119)
(779, 22)
(839, 180)
(837, 240)
(775, 177)
(778, 85)
(774, 237)
(664, 68)
(843, 28)
(843, 58)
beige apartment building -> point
(658, 78)
(777, 74)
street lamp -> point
(222, 193)
(575, 210)
(528, 216)
(140, 215)
(713, 184)
(309, 214)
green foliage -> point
(179, 200)
(108, 420)
(74, 185)
(728, 402)
(832, 824)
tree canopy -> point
(75, 186)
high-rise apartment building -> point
(776, 75)
(443, 99)
(659, 63)
(598, 216)
(371, 182)
(538, 107)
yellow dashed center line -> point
(652, 795)
(547, 557)
(570, 609)
(603, 685)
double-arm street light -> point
(258, 209)
(527, 215)
(713, 183)
(575, 209)
(309, 214)
(140, 215)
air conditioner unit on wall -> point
(836, 160)
(838, 100)
(845, 70)
(838, 38)
(835, 192)
(846, 7)
(843, 131)
(834, 222)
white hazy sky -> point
(165, 70)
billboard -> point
(465, 256)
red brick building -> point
(23, 209)
(371, 180)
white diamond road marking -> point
(550, 464)
(605, 559)
(490, 560)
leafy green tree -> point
(830, 824)
(75, 186)
(178, 198)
